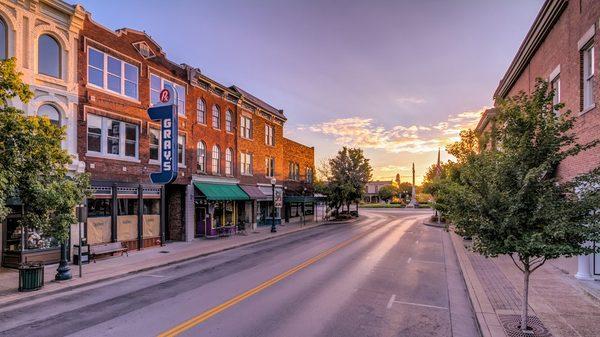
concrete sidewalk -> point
(137, 261)
(559, 304)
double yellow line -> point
(176, 330)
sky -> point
(398, 79)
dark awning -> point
(221, 191)
(298, 198)
(254, 192)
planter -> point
(31, 276)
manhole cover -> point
(164, 252)
(511, 324)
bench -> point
(107, 248)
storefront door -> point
(200, 221)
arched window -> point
(51, 112)
(3, 40)
(201, 111)
(228, 120)
(216, 156)
(201, 156)
(49, 56)
(228, 162)
(216, 117)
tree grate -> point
(511, 324)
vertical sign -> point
(165, 112)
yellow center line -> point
(192, 322)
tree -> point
(34, 164)
(387, 192)
(510, 199)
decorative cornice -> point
(545, 20)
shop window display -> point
(127, 219)
(151, 218)
(98, 229)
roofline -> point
(545, 20)
(486, 117)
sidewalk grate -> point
(511, 324)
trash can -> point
(31, 276)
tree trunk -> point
(524, 305)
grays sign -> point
(165, 112)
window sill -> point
(588, 109)
(244, 138)
(114, 157)
(51, 79)
(154, 162)
(112, 93)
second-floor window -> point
(246, 163)
(111, 137)
(201, 156)
(216, 158)
(154, 144)
(294, 171)
(229, 162)
(246, 127)
(181, 150)
(588, 76)
(158, 83)
(3, 40)
(201, 111)
(269, 135)
(49, 56)
(555, 87)
(110, 73)
(270, 167)
(309, 175)
(216, 117)
(228, 121)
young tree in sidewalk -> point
(34, 166)
(510, 199)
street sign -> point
(165, 112)
(278, 199)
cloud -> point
(365, 133)
(410, 100)
(393, 169)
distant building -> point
(560, 47)
(373, 187)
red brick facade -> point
(553, 48)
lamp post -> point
(304, 207)
(273, 228)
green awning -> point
(298, 198)
(221, 191)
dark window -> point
(151, 206)
(3, 40)
(128, 206)
(49, 56)
(99, 207)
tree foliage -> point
(34, 164)
(386, 193)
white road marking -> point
(422, 261)
(409, 259)
(152, 275)
(391, 301)
(415, 304)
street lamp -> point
(304, 207)
(273, 228)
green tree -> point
(510, 199)
(34, 164)
(386, 193)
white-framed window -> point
(181, 150)
(201, 111)
(201, 156)
(229, 161)
(246, 163)
(49, 56)
(216, 117)
(294, 171)
(51, 112)
(588, 77)
(269, 135)
(309, 175)
(555, 87)
(3, 40)
(157, 84)
(215, 159)
(246, 127)
(154, 135)
(228, 121)
(112, 74)
(270, 167)
(112, 138)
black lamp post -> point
(273, 228)
(63, 272)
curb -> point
(434, 224)
(489, 324)
(141, 270)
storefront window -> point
(127, 219)
(229, 213)
(99, 220)
(151, 218)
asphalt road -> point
(385, 275)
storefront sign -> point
(166, 113)
(278, 199)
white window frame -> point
(105, 121)
(228, 120)
(150, 145)
(228, 161)
(201, 163)
(178, 87)
(201, 103)
(269, 135)
(588, 76)
(269, 167)
(215, 161)
(309, 175)
(104, 71)
(246, 165)
(246, 127)
(181, 141)
(216, 126)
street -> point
(384, 275)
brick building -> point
(561, 47)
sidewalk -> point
(137, 261)
(559, 305)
